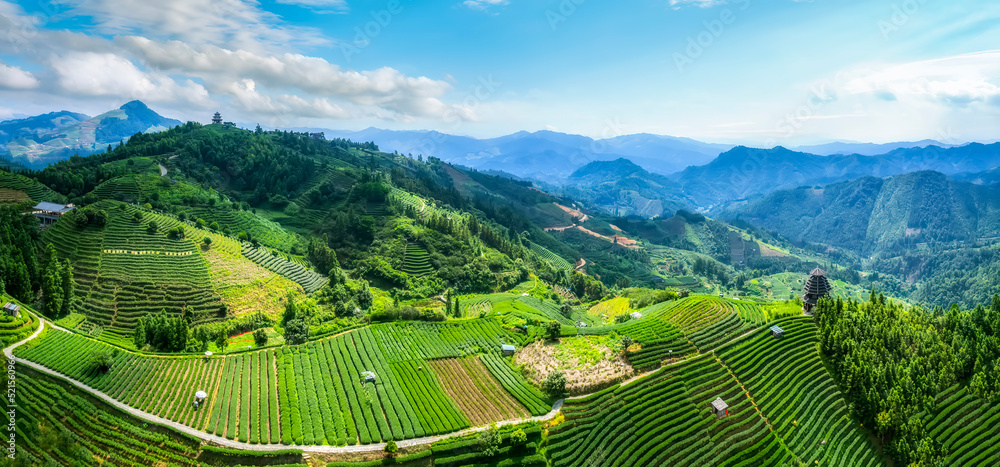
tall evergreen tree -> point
(68, 286)
(52, 289)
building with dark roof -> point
(817, 286)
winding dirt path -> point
(9, 352)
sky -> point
(737, 71)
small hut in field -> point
(817, 286)
(720, 407)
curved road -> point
(9, 352)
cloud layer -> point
(219, 54)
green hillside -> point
(350, 297)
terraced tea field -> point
(314, 393)
(310, 280)
(244, 286)
(57, 426)
(555, 260)
(966, 427)
(416, 261)
(124, 272)
(782, 406)
(15, 187)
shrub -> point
(490, 441)
(553, 330)
(101, 359)
(207, 241)
(296, 331)
(260, 337)
(391, 449)
(555, 385)
(566, 309)
(518, 437)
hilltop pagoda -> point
(217, 119)
(817, 286)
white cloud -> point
(284, 106)
(484, 4)
(385, 87)
(234, 23)
(106, 74)
(958, 80)
(12, 77)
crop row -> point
(314, 393)
(162, 386)
(555, 260)
(262, 230)
(307, 278)
(477, 394)
(966, 426)
(58, 426)
(665, 418)
(802, 403)
(428, 341)
(416, 261)
(34, 190)
(513, 383)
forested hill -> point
(623, 188)
(38, 141)
(878, 216)
(744, 173)
(935, 234)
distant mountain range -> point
(622, 188)
(865, 149)
(35, 142)
(744, 173)
(542, 154)
(872, 215)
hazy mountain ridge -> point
(744, 173)
(622, 188)
(872, 215)
(77, 133)
(542, 154)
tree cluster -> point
(891, 362)
(162, 332)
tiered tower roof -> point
(817, 286)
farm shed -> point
(11, 309)
(719, 407)
(635, 315)
(507, 349)
(368, 376)
(777, 332)
(49, 213)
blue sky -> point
(762, 73)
